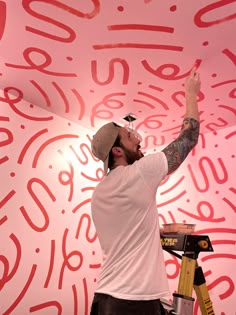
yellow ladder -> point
(192, 277)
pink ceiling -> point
(94, 61)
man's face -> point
(130, 145)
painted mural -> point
(67, 67)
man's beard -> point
(132, 156)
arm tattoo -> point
(177, 151)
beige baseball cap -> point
(103, 142)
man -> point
(133, 276)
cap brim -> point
(106, 165)
(103, 142)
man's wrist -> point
(191, 95)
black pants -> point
(104, 304)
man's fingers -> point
(193, 71)
(197, 76)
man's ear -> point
(117, 151)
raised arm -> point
(177, 151)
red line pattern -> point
(23, 292)
(144, 27)
(138, 46)
(3, 13)
(66, 70)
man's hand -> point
(193, 83)
(192, 88)
(178, 150)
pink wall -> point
(49, 252)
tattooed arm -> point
(177, 151)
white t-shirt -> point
(126, 220)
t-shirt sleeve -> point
(153, 168)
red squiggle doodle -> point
(230, 290)
(164, 220)
(153, 141)
(80, 205)
(223, 242)
(151, 122)
(202, 216)
(67, 257)
(215, 230)
(74, 290)
(229, 54)
(172, 199)
(4, 201)
(171, 216)
(165, 180)
(142, 27)
(214, 256)
(175, 95)
(135, 100)
(94, 266)
(86, 306)
(138, 46)
(50, 269)
(69, 175)
(62, 94)
(7, 276)
(3, 14)
(3, 118)
(155, 88)
(231, 134)
(83, 147)
(39, 204)
(81, 103)
(9, 135)
(22, 293)
(223, 83)
(98, 178)
(5, 263)
(3, 220)
(233, 190)
(173, 262)
(198, 17)
(232, 93)
(154, 98)
(82, 219)
(160, 71)
(111, 103)
(7, 198)
(205, 175)
(165, 106)
(17, 97)
(28, 144)
(231, 109)
(40, 67)
(26, 4)
(222, 296)
(43, 93)
(4, 159)
(231, 204)
(173, 186)
(87, 189)
(49, 141)
(111, 73)
(54, 304)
